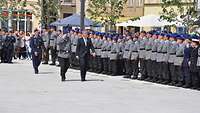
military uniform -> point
(36, 44)
(64, 53)
(52, 45)
(159, 60)
(165, 64)
(99, 66)
(135, 58)
(127, 58)
(142, 54)
(114, 56)
(178, 64)
(121, 60)
(45, 38)
(153, 59)
(108, 49)
(148, 48)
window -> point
(130, 3)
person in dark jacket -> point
(193, 64)
(9, 47)
(84, 46)
(36, 44)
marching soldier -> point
(52, 46)
(36, 44)
(74, 39)
(127, 57)
(64, 53)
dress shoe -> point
(179, 84)
(45, 63)
(83, 80)
(134, 77)
(126, 76)
(186, 86)
(52, 64)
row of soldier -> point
(167, 58)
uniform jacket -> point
(52, 40)
(179, 54)
(159, 55)
(36, 44)
(172, 51)
(154, 49)
(114, 53)
(134, 50)
(64, 44)
(127, 49)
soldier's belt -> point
(172, 53)
(142, 49)
(179, 56)
(135, 51)
(103, 50)
(148, 49)
(164, 52)
(51, 39)
(113, 52)
(154, 51)
(126, 50)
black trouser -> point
(83, 61)
(121, 66)
(99, 64)
(46, 55)
(8, 54)
(114, 67)
(36, 61)
(177, 74)
(159, 71)
(143, 68)
(105, 65)
(149, 68)
(64, 66)
(154, 69)
(135, 68)
(187, 76)
(128, 67)
(73, 58)
(1, 55)
(109, 66)
(53, 54)
(195, 79)
(165, 72)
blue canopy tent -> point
(74, 20)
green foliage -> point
(184, 9)
(48, 10)
(106, 11)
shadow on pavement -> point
(90, 80)
(45, 73)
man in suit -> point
(84, 45)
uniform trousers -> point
(135, 68)
(36, 61)
(195, 79)
(165, 72)
(128, 67)
(143, 68)
(64, 66)
(114, 67)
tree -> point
(48, 10)
(106, 11)
(182, 11)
